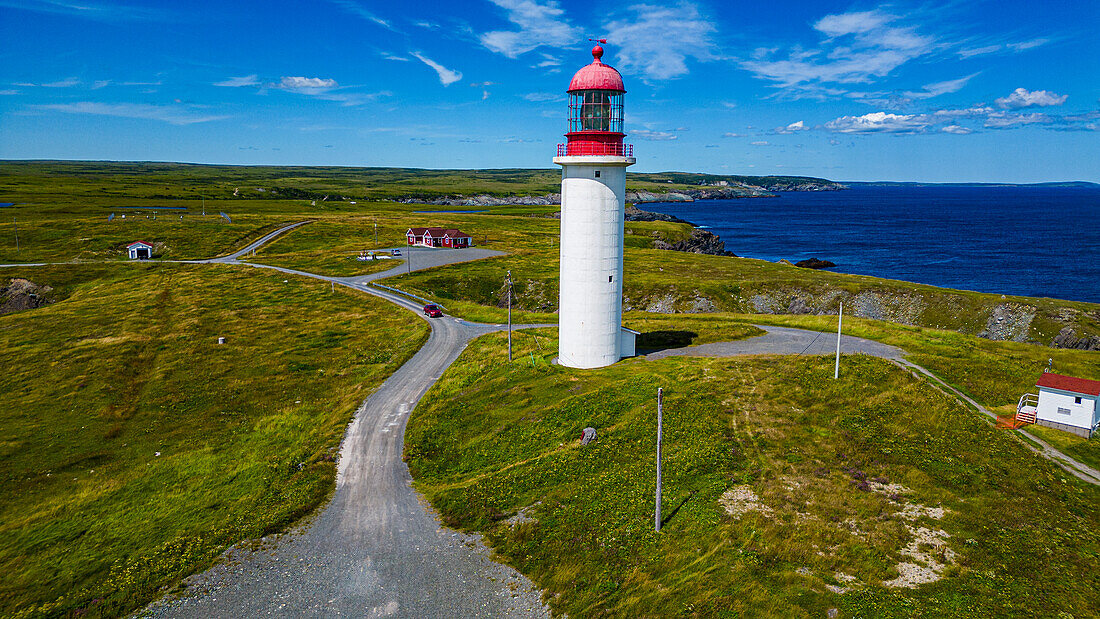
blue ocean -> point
(1032, 241)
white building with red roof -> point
(438, 237)
(140, 250)
(1063, 402)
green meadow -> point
(786, 493)
(135, 449)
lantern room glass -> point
(596, 110)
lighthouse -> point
(593, 199)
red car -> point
(432, 310)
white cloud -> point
(9, 91)
(542, 97)
(65, 83)
(858, 47)
(395, 57)
(173, 114)
(539, 24)
(237, 82)
(1008, 47)
(357, 9)
(879, 122)
(956, 130)
(731, 134)
(793, 128)
(654, 136)
(446, 76)
(1021, 98)
(759, 143)
(306, 84)
(1001, 120)
(656, 41)
(941, 88)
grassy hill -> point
(121, 366)
(786, 494)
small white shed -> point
(140, 250)
(627, 343)
(1064, 402)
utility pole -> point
(509, 283)
(839, 320)
(660, 422)
(409, 260)
(376, 234)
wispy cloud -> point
(306, 85)
(100, 84)
(540, 24)
(394, 57)
(1002, 120)
(239, 82)
(109, 11)
(65, 83)
(654, 136)
(542, 97)
(9, 91)
(956, 130)
(1021, 98)
(172, 114)
(446, 76)
(855, 48)
(1001, 47)
(357, 9)
(941, 88)
(656, 41)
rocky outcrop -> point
(634, 213)
(814, 263)
(1067, 338)
(22, 294)
(701, 242)
(1009, 321)
(702, 193)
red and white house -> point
(1063, 402)
(140, 250)
(439, 237)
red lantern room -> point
(596, 111)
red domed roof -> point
(597, 76)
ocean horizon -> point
(1013, 240)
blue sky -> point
(1004, 90)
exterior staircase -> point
(1026, 408)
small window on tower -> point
(1076, 400)
(609, 278)
(597, 173)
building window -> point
(610, 278)
(597, 173)
(1077, 400)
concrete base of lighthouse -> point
(590, 305)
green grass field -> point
(123, 365)
(134, 448)
(492, 439)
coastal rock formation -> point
(634, 213)
(731, 192)
(701, 242)
(1067, 338)
(1009, 321)
(22, 294)
(814, 263)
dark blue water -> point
(1033, 241)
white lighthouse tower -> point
(593, 191)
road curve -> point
(376, 550)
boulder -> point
(814, 263)
(588, 436)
